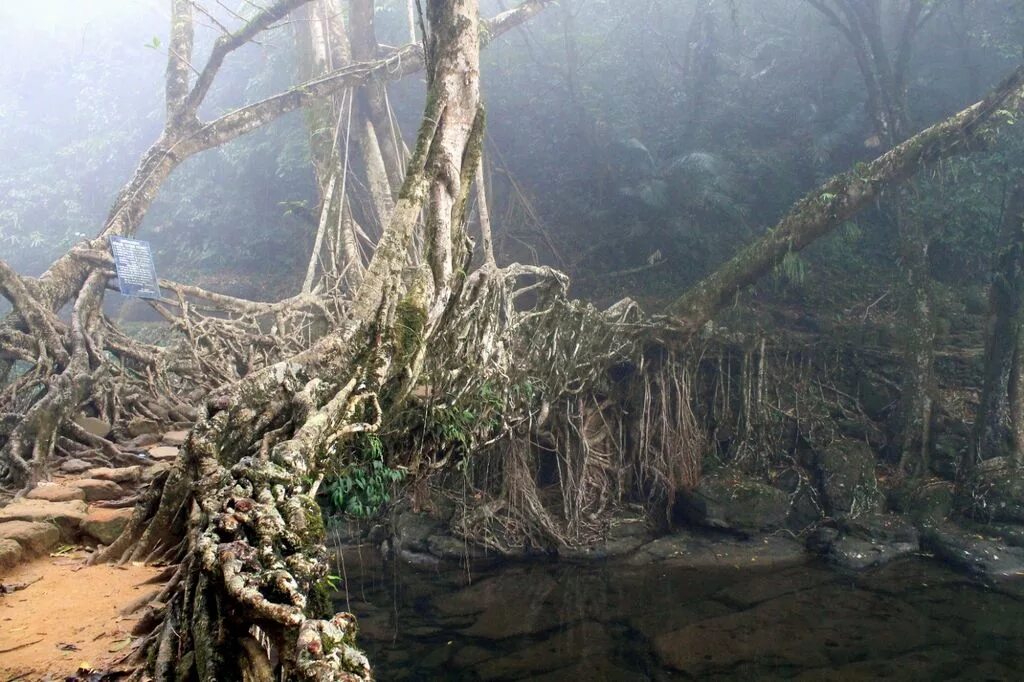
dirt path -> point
(69, 617)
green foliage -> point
(361, 488)
(792, 269)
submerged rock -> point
(789, 632)
(691, 551)
(735, 503)
(579, 642)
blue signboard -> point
(136, 273)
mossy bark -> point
(918, 388)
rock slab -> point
(53, 492)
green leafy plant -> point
(361, 488)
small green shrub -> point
(362, 487)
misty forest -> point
(511, 339)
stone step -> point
(96, 427)
(34, 537)
(105, 525)
(175, 438)
(164, 453)
(67, 516)
(155, 470)
(74, 466)
(142, 427)
(96, 489)
(130, 474)
(55, 492)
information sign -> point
(136, 273)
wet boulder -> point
(733, 502)
(984, 557)
(846, 478)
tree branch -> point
(229, 43)
(399, 63)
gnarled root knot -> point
(326, 651)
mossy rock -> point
(731, 501)
(928, 500)
(946, 455)
(846, 478)
(995, 493)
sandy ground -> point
(69, 617)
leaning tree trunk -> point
(843, 196)
(249, 589)
(992, 427)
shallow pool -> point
(915, 620)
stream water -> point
(914, 620)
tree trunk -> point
(918, 389)
(995, 426)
